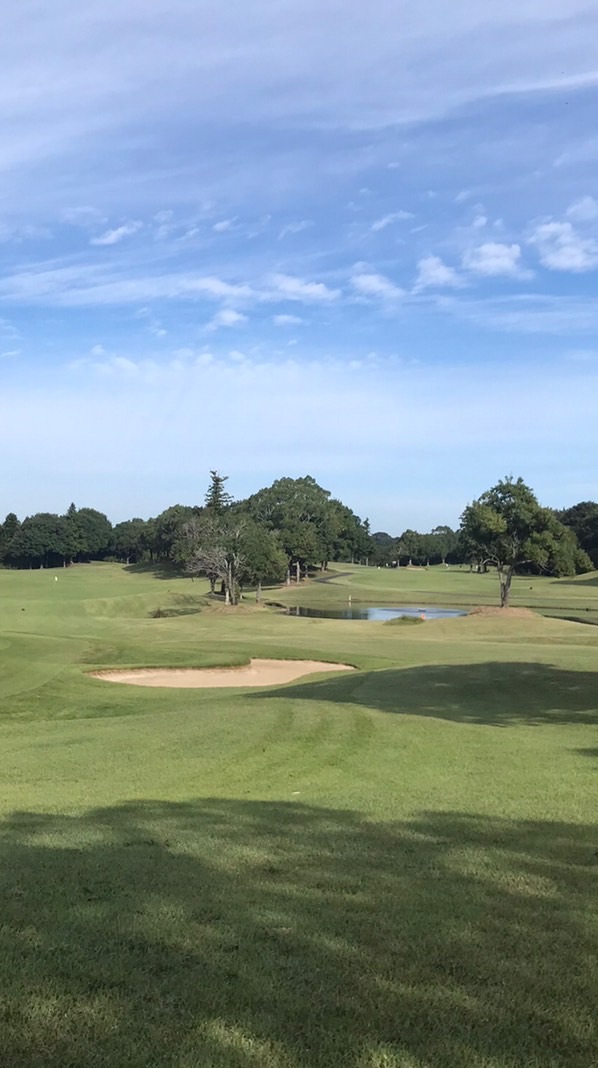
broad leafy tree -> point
(8, 529)
(128, 541)
(508, 528)
(42, 540)
(213, 545)
(166, 527)
(304, 517)
(384, 549)
(582, 519)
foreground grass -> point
(390, 869)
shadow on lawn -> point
(160, 569)
(496, 694)
(238, 934)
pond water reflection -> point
(376, 614)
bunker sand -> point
(256, 673)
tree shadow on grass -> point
(238, 934)
(495, 694)
(160, 569)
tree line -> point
(283, 530)
(278, 532)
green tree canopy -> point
(582, 519)
(166, 527)
(42, 540)
(128, 541)
(8, 529)
(217, 499)
(507, 527)
(213, 545)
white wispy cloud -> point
(376, 286)
(223, 226)
(388, 220)
(561, 247)
(113, 237)
(87, 285)
(226, 317)
(433, 273)
(532, 313)
(287, 320)
(494, 259)
(295, 227)
(84, 215)
(8, 331)
(583, 210)
(291, 288)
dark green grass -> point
(236, 933)
(393, 868)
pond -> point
(376, 614)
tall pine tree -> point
(217, 498)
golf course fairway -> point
(390, 867)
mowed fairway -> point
(392, 868)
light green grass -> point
(393, 868)
(455, 586)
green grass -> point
(393, 868)
(456, 587)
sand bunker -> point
(255, 673)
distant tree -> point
(166, 527)
(508, 528)
(582, 519)
(213, 545)
(217, 499)
(301, 513)
(90, 533)
(443, 543)
(344, 535)
(189, 550)
(42, 540)
(384, 549)
(263, 558)
(128, 540)
(8, 529)
(76, 539)
(410, 545)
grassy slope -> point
(389, 869)
(455, 587)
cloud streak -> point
(114, 237)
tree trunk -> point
(212, 585)
(298, 572)
(231, 591)
(288, 578)
(258, 593)
(505, 578)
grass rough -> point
(394, 868)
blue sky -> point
(358, 241)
